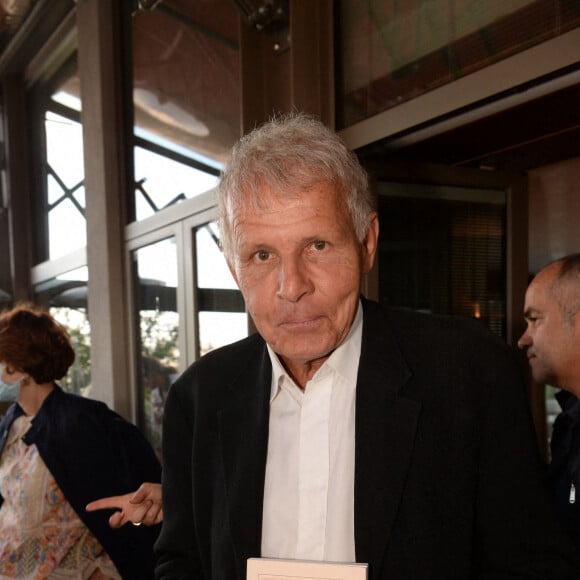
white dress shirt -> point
(309, 488)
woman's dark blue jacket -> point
(92, 453)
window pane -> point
(221, 311)
(65, 220)
(444, 254)
(212, 269)
(162, 181)
(67, 228)
(66, 299)
(156, 300)
(394, 50)
(64, 148)
(220, 328)
(186, 98)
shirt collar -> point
(340, 361)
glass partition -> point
(443, 250)
(60, 184)
(65, 297)
(395, 50)
(155, 281)
(163, 180)
(65, 185)
(186, 97)
(220, 307)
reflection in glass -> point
(221, 311)
(186, 98)
(66, 299)
(395, 50)
(444, 254)
(156, 301)
(186, 74)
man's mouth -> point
(299, 323)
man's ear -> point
(370, 243)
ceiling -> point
(536, 133)
(539, 132)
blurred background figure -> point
(157, 378)
(58, 452)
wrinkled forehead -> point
(266, 197)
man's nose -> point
(295, 281)
(525, 340)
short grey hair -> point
(290, 154)
(566, 285)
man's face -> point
(298, 263)
(551, 342)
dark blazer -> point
(564, 469)
(448, 484)
(92, 452)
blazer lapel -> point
(243, 426)
(385, 430)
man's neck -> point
(302, 372)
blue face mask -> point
(8, 391)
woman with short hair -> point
(58, 452)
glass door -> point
(220, 316)
(155, 280)
(442, 250)
(185, 303)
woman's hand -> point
(140, 507)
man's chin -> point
(298, 354)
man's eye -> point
(262, 255)
(319, 245)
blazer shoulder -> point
(74, 405)
(447, 328)
(445, 339)
(225, 364)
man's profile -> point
(552, 346)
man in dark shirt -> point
(552, 344)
